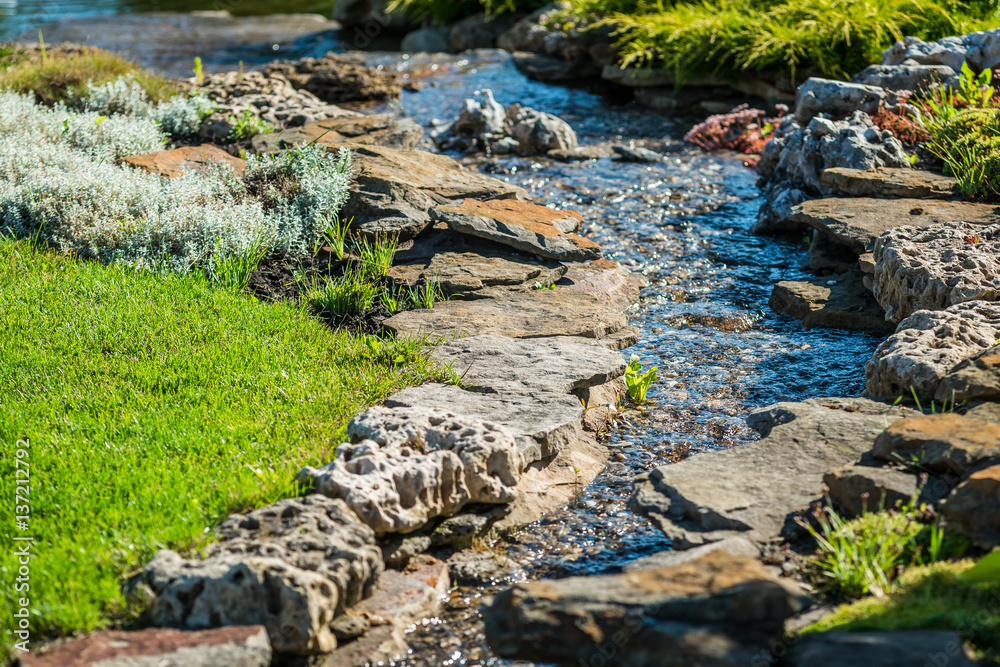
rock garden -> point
(366, 358)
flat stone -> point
(175, 162)
(927, 345)
(877, 649)
(605, 279)
(532, 314)
(936, 267)
(636, 154)
(462, 264)
(866, 262)
(889, 182)
(973, 508)
(857, 488)
(754, 491)
(948, 443)
(523, 226)
(987, 411)
(504, 365)
(590, 152)
(846, 304)
(541, 423)
(718, 610)
(339, 77)
(858, 221)
(406, 466)
(394, 190)
(235, 645)
(974, 379)
(737, 546)
(377, 130)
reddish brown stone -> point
(947, 443)
(973, 507)
(174, 162)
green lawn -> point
(155, 406)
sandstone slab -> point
(237, 646)
(974, 379)
(338, 77)
(885, 182)
(754, 491)
(949, 444)
(973, 508)
(884, 649)
(406, 466)
(737, 546)
(927, 345)
(861, 488)
(504, 365)
(532, 314)
(177, 161)
(394, 190)
(605, 279)
(378, 130)
(523, 226)
(717, 610)
(858, 221)
(936, 267)
(833, 302)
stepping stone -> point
(605, 279)
(235, 646)
(974, 379)
(378, 130)
(754, 491)
(523, 226)
(889, 182)
(949, 443)
(974, 507)
(394, 189)
(832, 302)
(502, 365)
(532, 314)
(909, 648)
(175, 162)
(857, 222)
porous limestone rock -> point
(973, 507)
(905, 77)
(974, 379)
(405, 466)
(538, 132)
(981, 50)
(937, 267)
(774, 215)
(948, 443)
(837, 98)
(927, 345)
(291, 567)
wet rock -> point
(927, 345)
(602, 404)
(555, 69)
(947, 264)
(523, 226)
(885, 649)
(774, 216)
(459, 530)
(736, 546)
(406, 466)
(337, 77)
(398, 550)
(901, 183)
(973, 508)
(605, 279)
(755, 490)
(591, 152)
(478, 32)
(837, 99)
(717, 610)
(291, 567)
(636, 154)
(828, 255)
(432, 39)
(538, 132)
(173, 163)
(533, 314)
(348, 626)
(835, 302)
(238, 646)
(395, 189)
(981, 50)
(472, 568)
(905, 77)
(378, 130)
(974, 379)
(510, 365)
(947, 443)
(542, 424)
(864, 488)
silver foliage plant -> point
(60, 180)
(178, 116)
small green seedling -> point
(637, 382)
(198, 71)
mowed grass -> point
(155, 406)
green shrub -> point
(444, 12)
(348, 294)
(249, 125)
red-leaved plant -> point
(743, 129)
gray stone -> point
(927, 345)
(606, 280)
(737, 546)
(828, 255)
(755, 490)
(774, 216)
(905, 77)
(473, 568)
(349, 626)
(837, 98)
(432, 39)
(718, 610)
(981, 50)
(538, 132)
(591, 152)
(478, 31)
(864, 488)
(555, 69)
(844, 304)
(480, 125)
(533, 314)
(906, 648)
(398, 550)
(636, 153)
(291, 567)
(903, 183)
(405, 466)
(377, 130)
(941, 266)
(974, 379)
(509, 365)
(948, 444)
(541, 423)
(459, 530)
